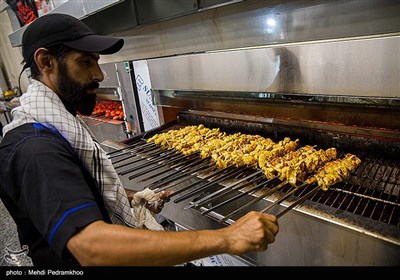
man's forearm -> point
(105, 244)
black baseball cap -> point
(55, 28)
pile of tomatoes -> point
(110, 109)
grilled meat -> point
(335, 171)
(281, 159)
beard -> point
(74, 95)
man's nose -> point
(99, 74)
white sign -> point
(143, 84)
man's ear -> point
(44, 60)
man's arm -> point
(105, 244)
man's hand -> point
(155, 207)
(252, 232)
(159, 205)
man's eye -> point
(86, 62)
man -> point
(59, 186)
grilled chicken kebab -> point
(283, 159)
(335, 171)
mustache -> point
(93, 85)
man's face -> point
(76, 85)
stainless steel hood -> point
(353, 67)
(328, 81)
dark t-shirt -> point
(47, 191)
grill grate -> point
(372, 192)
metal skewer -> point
(283, 198)
(132, 149)
(227, 170)
(161, 182)
(138, 158)
(254, 201)
(129, 155)
(151, 162)
(219, 192)
(263, 184)
(125, 148)
(301, 200)
(234, 172)
(156, 166)
(179, 179)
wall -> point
(10, 58)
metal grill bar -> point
(386, 213)
(379, 194)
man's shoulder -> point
(30, 137)
(32, 129)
